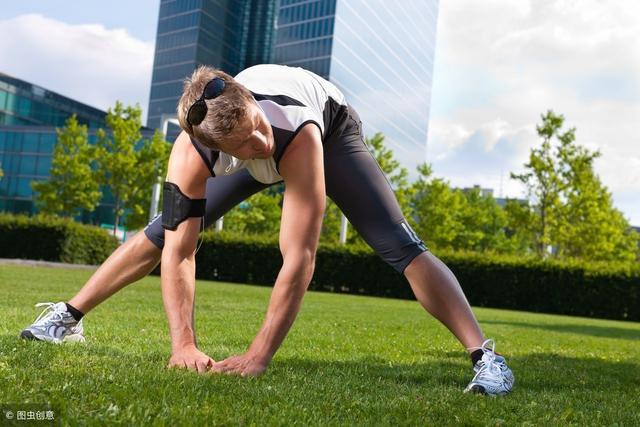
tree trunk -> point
(543, 230)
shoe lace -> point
(49, 313)
(490, 366)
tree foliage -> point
(128, 164)
(152, 161)
(72, 185)
(259, 214)
(448, 218)
(572, 213)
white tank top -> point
(290, 98)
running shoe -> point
(55, 325)
(493, 377)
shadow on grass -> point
(595, 331)
(534, 372)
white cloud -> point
(89, 63)
(501, 63)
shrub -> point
(53, 239)
(595, 290)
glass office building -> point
(229, 34)
(304, 35)
(379, 53)
(24, 104)
(25, 153)
(29, 116)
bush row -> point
(53, 239)
(603, 290)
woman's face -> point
(252, 139)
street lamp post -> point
(165, 119)
(344, 225)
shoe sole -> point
(28, 335)
(476, 389)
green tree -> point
(152, 161)
(73, 184)
(128, 164)
(484, 224)
(520, 227)
(544, 181)
(436, 210)
(448, 218)
(259, 214)
(591, 227)
(572, 210)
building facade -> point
(379, 53)
(230, 34)
(29, 117)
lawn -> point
(349, 360)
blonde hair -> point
(224, 113)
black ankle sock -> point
(77, 314)
(476, 355)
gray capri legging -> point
(354, 181)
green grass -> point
(347, 361)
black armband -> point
(176, 207)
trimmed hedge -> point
(605, 291)
(53, 239)
(594, 290)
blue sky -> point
(499, 65)
(139, 17)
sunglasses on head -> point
(198, 111)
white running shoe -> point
(55, 325)
(493, 376)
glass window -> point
(14, 141)
(3, 139)
(11, 102)
(28, 165)
(44, 166)
(4, 186)
(3, 99)
(30, 143)
(13, 186)
(24, 106)
(24, 187)
(13, 164)
(47, 141)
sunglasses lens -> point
(197, 113)
(198, 110)
(214, 88)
